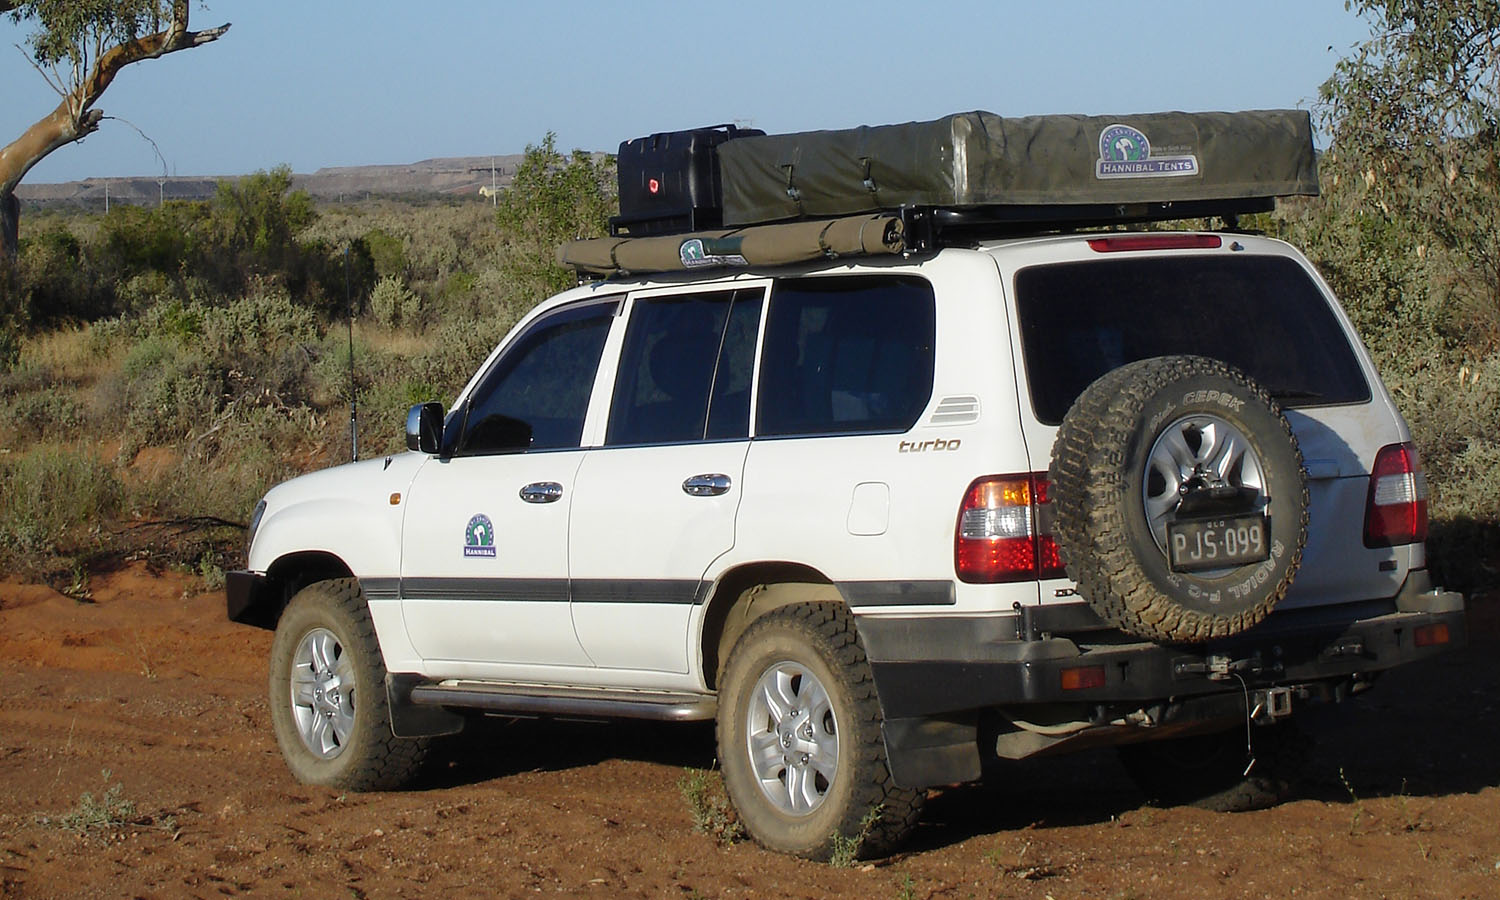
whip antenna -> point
(353, 385)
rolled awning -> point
(761, 245)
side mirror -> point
(424, 427)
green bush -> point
(264, 320)
(45, 414)
(387, 253)
(49, 494)
(393, 304)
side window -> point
(537, 394)
(729, 409)
(846, 355)
(682, 373)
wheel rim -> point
(792, 734)
(1194, 451)
(322, 692)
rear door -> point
(1086, 312)
(655, 505)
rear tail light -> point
(1396, 512)
(1005, 531)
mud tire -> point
(861, 802)
(370, 758)
(1102, 466)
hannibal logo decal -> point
(479, 536)
(1125, 152)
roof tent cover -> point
(980, 159)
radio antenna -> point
(353, 384)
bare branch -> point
(51, 80)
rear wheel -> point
(327, 693)
(799, 738)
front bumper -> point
(250, 599)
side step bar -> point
(527, 700)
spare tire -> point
(1181, 499)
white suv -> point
(888, 521)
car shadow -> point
(495, 747)
(1427, 729)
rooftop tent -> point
(884, 189)
(980, 159)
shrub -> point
(49, 494)
(393, 304)
(45, 414)
(265, 319)
(387, 253)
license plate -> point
(1224, 542)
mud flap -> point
(409, 720)
(923, 752)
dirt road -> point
(150, 683)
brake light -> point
(1004, 531)
(1396, 512)
(1162, 241)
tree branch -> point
(74, 118)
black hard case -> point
(683, 169)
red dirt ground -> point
(152, 684)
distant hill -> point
(457, 175)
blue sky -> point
(314, 83)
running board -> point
(529, 700)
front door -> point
(484, 562)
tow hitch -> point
(1269, 704)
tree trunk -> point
(74, 118)
(10, 227)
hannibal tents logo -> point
(479, 536)
(696, 253)
(1125, 152)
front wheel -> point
(799, 738)
(328, 698)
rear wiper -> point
(1296, 394)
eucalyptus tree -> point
(1414, 116)
(79, 46)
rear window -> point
(1263, 314)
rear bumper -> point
(935, 666)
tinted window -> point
(683, 375)
(537, 394)
(1261, 314)
(846, 355)
(729, 410)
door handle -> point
(542, 492)
(706, 485)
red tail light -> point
(1004, 531)
(1396, 512)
